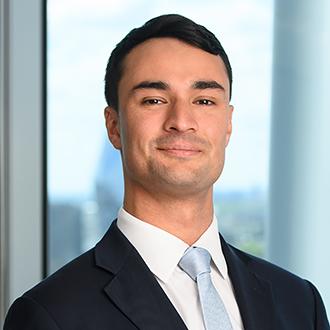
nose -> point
(180, 118)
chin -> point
(186, 184)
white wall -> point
(21, 147)
(300, 152)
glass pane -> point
(84, 171)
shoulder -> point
(274, 274)
(66, 284)
(75, 287)
(27, 311)
(294, 299)
(287, 288)
(72, 296)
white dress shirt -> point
(162, 251)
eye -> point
(204, 102)
(152, 101)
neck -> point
(185, 217)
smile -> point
(180, 151)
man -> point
(162, 264)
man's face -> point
(174, 118)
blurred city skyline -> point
(85, 182)
(79, 44)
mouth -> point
(180, 151)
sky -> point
(81, 35)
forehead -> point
(171, 60)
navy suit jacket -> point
(110, 287)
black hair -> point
(171, 25)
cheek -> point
(216, 129)
(135, 139)
(217, 136)
(143, 126)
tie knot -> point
(195, 262)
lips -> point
(180, 150)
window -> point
(84, 171)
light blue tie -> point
(196, 263)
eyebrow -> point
(151, 85)
(205, 84)
(161, 85)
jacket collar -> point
(133, 288)
(253, 293)
(136, 292)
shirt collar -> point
(162, 251)
(210, 241)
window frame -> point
(23, 147)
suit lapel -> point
(253, 294)
(134, 289)
(136, 292)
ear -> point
(113, 126)
(229, 124)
